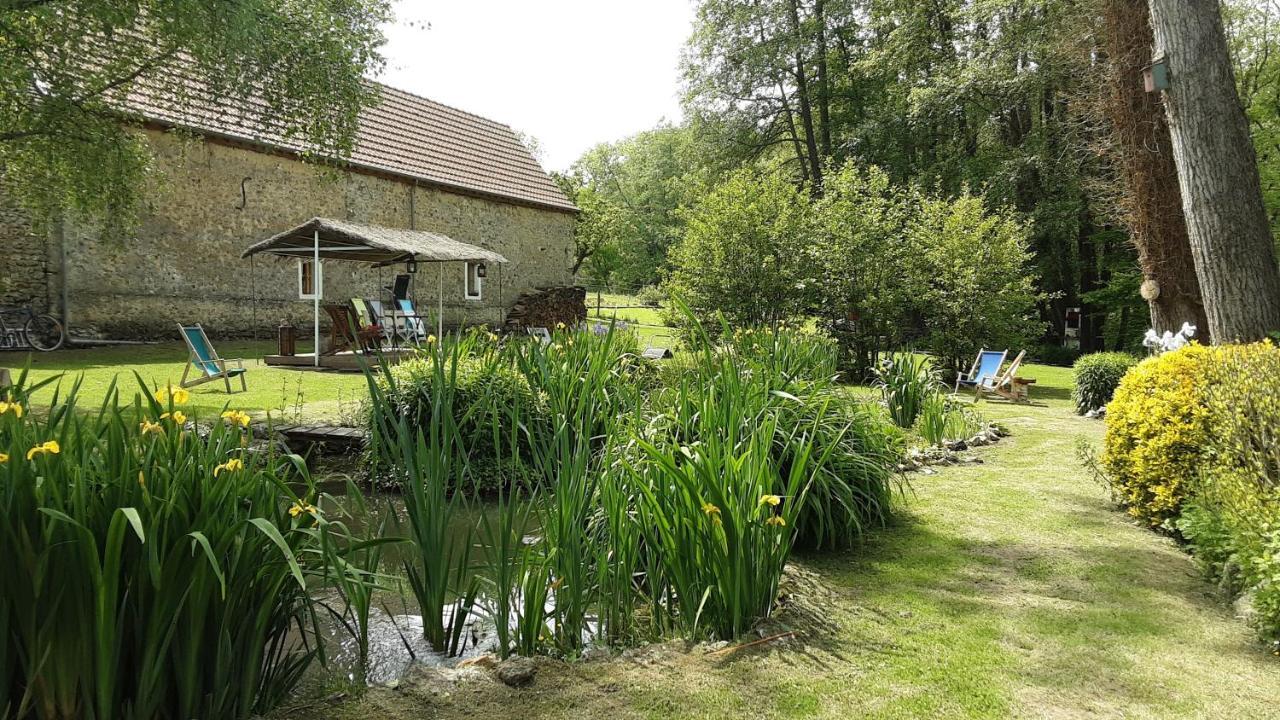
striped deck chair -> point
(1002, 385)
(983, 374)
(205, 360)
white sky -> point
(572, 73)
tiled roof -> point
(402, 134)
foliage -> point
(651, 296)
(1157, 427)
(151, 571)
(855, 487)
(860, 251)
(745, 253)
(67, 64)
(430, 450)
(970, 275)
(1096, 378)
(1233, 523)
(639, 181)
(740, 458)
(486, 392)
(905, 381)
(598, 233)
(943, 418)
(623, 471)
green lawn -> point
(288, 395)
(646, 321)
(1013, 589)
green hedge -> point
(1097, 377)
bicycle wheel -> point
(45, 333)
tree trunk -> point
(1150, 203)
(804, 97)
(1217, 173)
(824, 84)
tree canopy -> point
(65, 65)
(1000, 100)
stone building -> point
(224, 182)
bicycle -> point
(22, 328)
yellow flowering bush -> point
(1157, 426)
(1233, 524)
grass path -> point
(1012, 590)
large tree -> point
(1138, 145)
(65, 65)
(1217, 173)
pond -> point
(396, 639)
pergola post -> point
(440, 306)
(317, 281)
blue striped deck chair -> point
(204, 359)
(982, 376)
(411, 325)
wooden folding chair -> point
(205, 360)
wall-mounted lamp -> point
(1155, 77)
(411, 266)
(480, 270)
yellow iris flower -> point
(235, 417)
(147, 427)
(776, 520)
(180, 396)
(47, 448)
(177, 416)
(300, 507)
(13, 407)
(771, 500)
(3, 458)
(231, 465)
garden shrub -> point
(971, 278)
(489, 395)
(1096, 378)
(1157, 427)
(651, 296)
(1233, 523)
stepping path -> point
(1014, 589)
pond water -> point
(395, 624)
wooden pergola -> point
(321, 239)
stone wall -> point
(182, 264)
(25, 272)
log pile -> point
(547, 306)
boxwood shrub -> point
(1096, 377)
(1157, 427)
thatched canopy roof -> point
(375, 244)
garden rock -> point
(517, 671)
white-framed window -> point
(473, 281)
(310, 279)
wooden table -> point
(1020, 387)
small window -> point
(474, 280)
(309, 280)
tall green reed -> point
(429, 459)
(584, 378)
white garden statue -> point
(1169, 341)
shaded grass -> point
(1014, 590)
